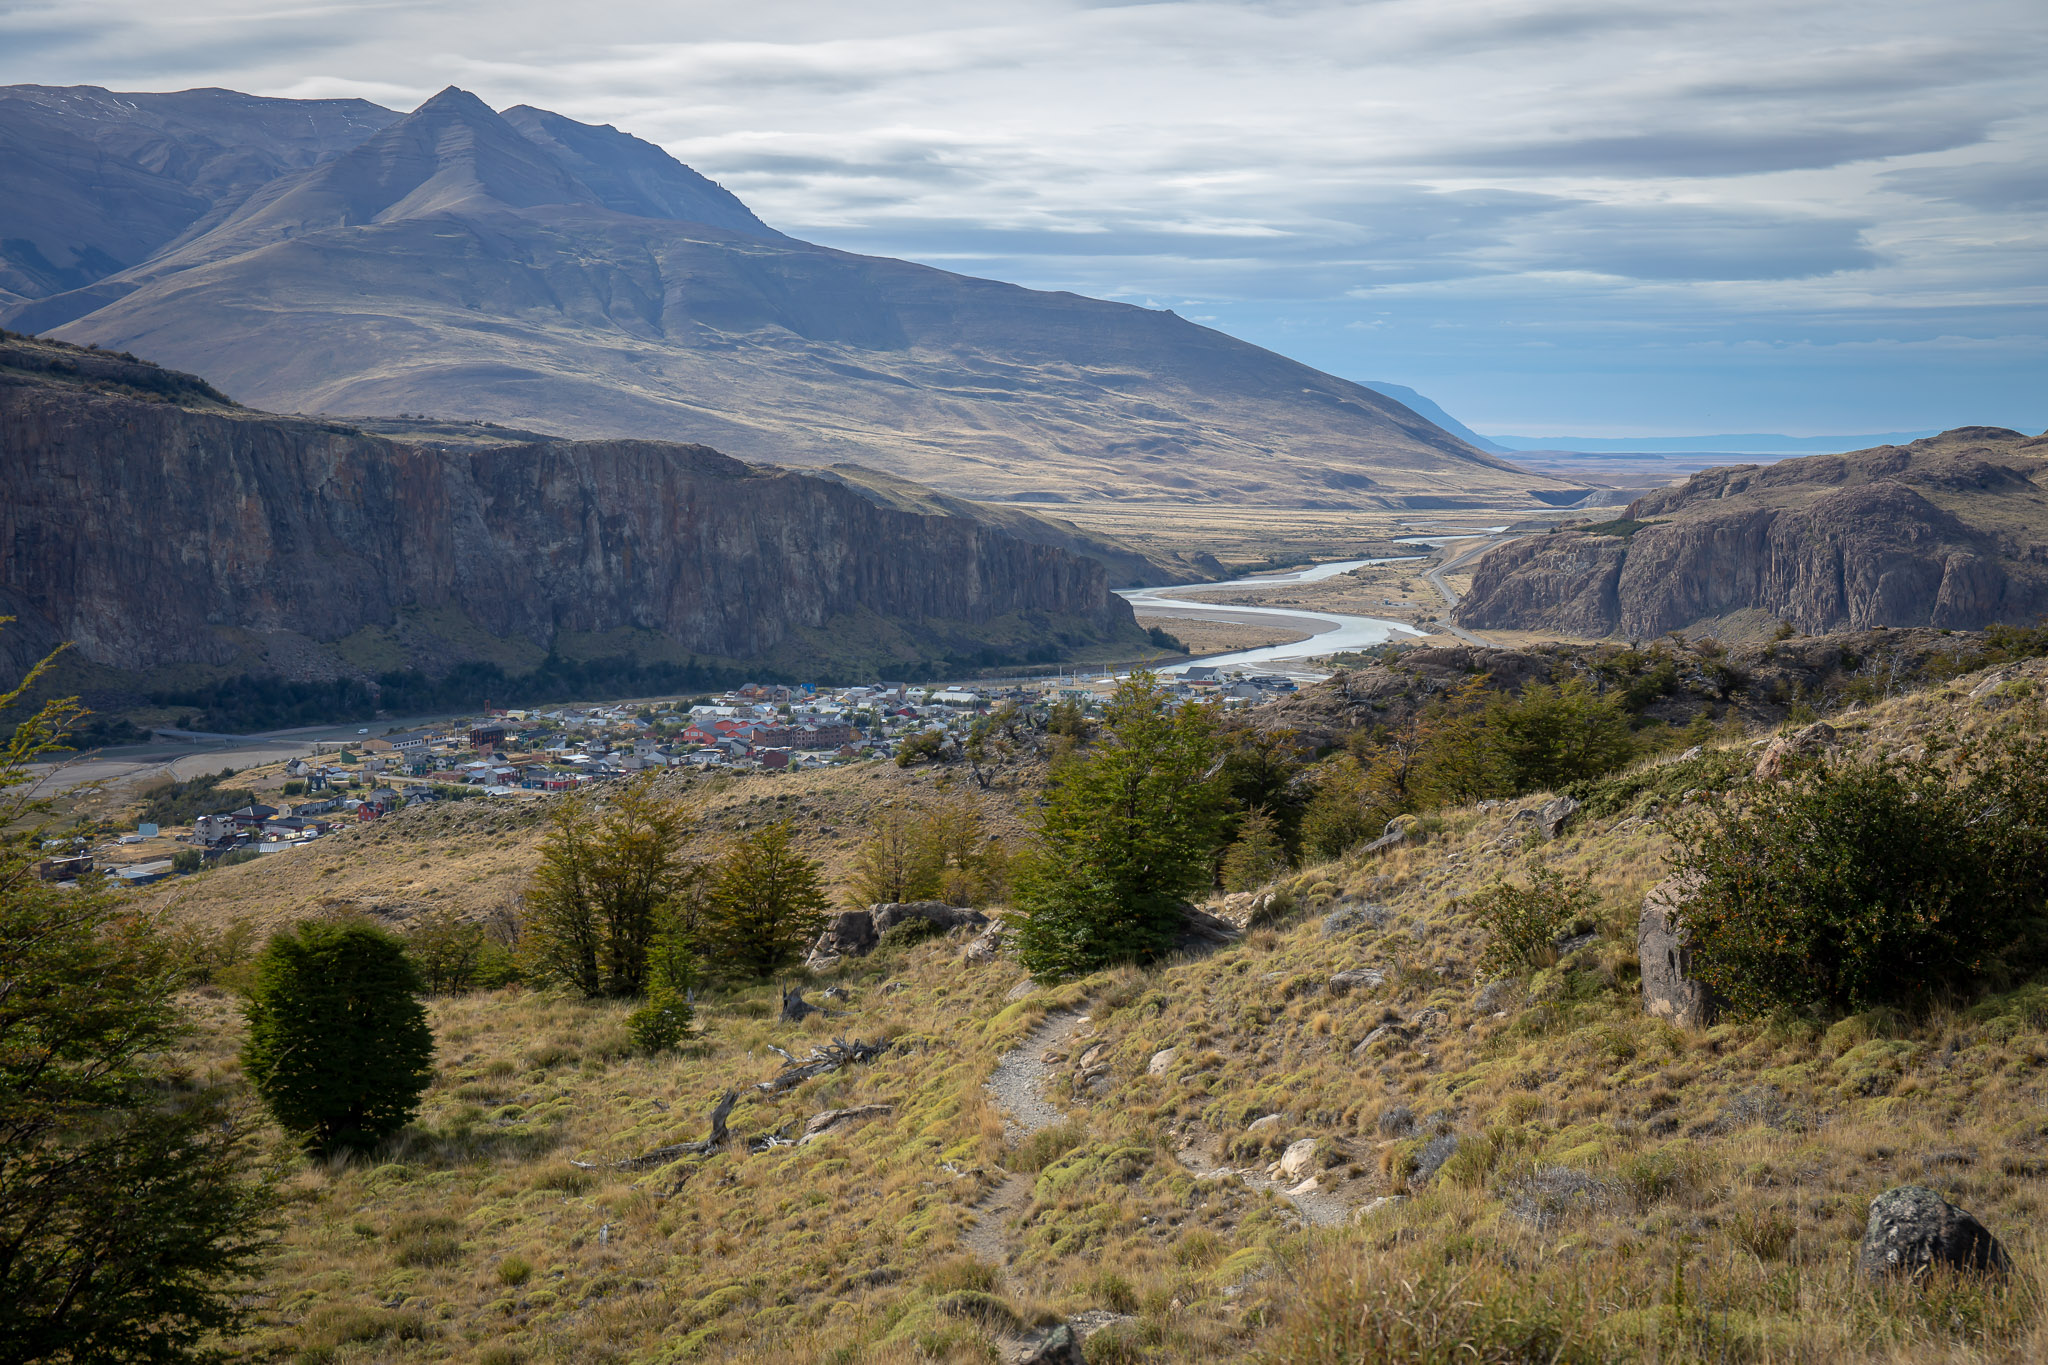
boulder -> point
(1385, 1033)
(1396, 833)
(1294, 1163)
(1356, 979)
(1202, 932)
(1162, 1061)
(1060, 1346)
(1553, 816)
(986, 947)
(888, 916)
(1247, 909)
(1262, 1123)
(1913, 1230)
(1669, 989)
(851, 933)
(1784, 752)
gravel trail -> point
(1018, 1086)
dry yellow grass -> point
(1621, 1189)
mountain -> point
(1416, 403)
(1739, 443)
(171, 534)
(527, 269)
(98, 182)
(1951, 531)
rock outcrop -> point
(1670, 991)
(156, 525)
(1950, 532)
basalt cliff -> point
(164, 531)
(1950, 531)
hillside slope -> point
(1950, 531)
(1345, 1136)
(158, 526)
(534, 271)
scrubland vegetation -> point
(1491, 1152)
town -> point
(514, 753)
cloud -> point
(1394, 187)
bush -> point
(1523, 923)
(187, 860)
(338, 1045)
(1861, 884)
(661, 1023)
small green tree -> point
(1127, 832)
(129, 1217)
(338, 1046)
(766, 903)
(448, 951)
(1256, 856)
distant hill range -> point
(182, 542)
(1950, 531)
(331, 256)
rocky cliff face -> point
(155, 526)
(1951, 531)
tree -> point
(338, 1045)
(1257, 856)
(1126, 833)
(128, 1214)
(603, 883)
(766, 904)
(995, 742)
(895, 862)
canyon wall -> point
(157, 528)
(1951, 531)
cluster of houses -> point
(506, 752)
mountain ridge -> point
(1950, 532)
(500, 285)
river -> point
(1329, 632)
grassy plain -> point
(1614, 1188)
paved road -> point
(1450, 595)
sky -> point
(1550, 216)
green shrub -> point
(187, 860)
(1859, 884)
(1046, 1146)
(660, 1024)
(338, 1046)
(1523, 923)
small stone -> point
(1161, 1060)
(1308, 1186)
(1263, 1122)
(1913, 1230)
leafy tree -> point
(128, 1216)
(995, 742)
(447, 950)
(896, 862)
(603, 883)
(1257, 856)
(338, 1045)
(926, 746)
(1550, 736)
(766, 903)
(1128, 830)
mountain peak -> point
(632, 176)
